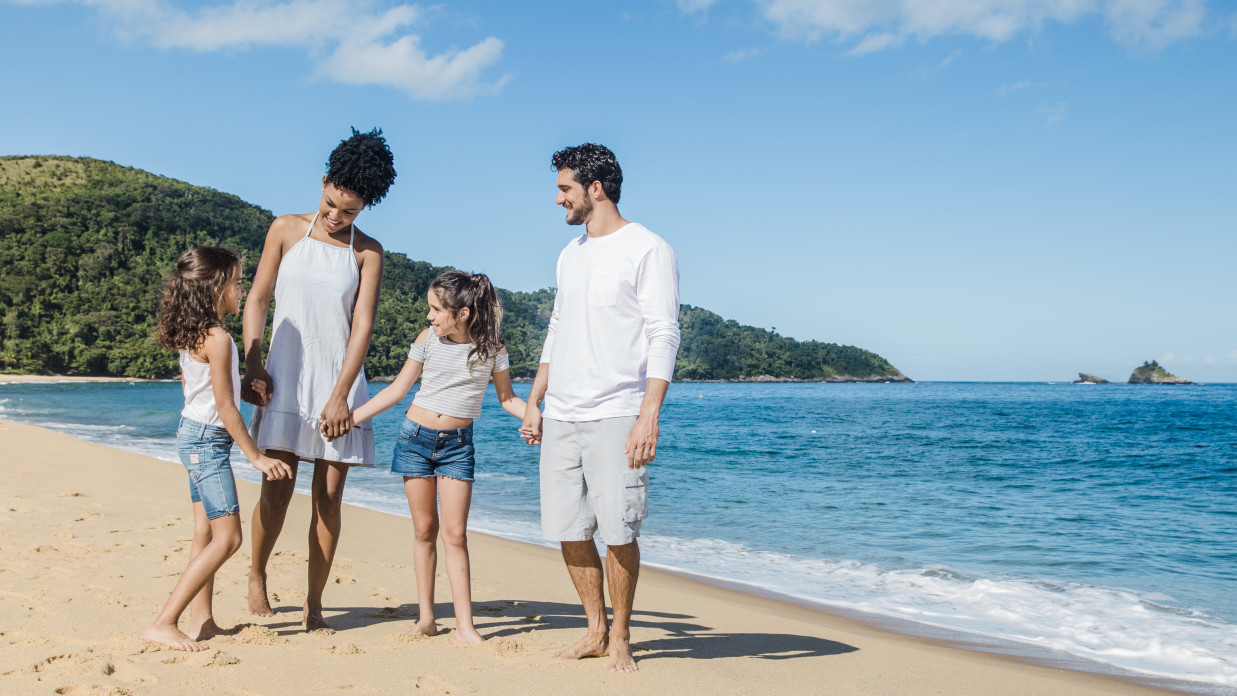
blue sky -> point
(979, 190)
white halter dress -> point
(315, 293)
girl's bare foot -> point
(468, 635)
(424, 627)
(258, 603)
(206, 629)
(171, 637)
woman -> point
(325, 275)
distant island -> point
(85, 244)
(1088, 378)
(1151, 373)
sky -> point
(989, 190)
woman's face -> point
(338, 208)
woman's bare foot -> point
(206, 629)
(591, 645)
(468, 635)
(258, 603)
(424, 627)
(620, 656)
(171, 637)
(314, 622)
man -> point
(605, 368)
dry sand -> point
(94, 538)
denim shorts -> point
(205, 451)
(422, 452)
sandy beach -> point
(93, 539)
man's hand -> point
(257, 386)
(641, 445)
(530, 430)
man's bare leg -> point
(268, 518)
(623, 569)
(584, 565)
(324, 525)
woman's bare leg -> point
(268, 519)
(324, 527)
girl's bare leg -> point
(423, 504)
(324, 525)
(201, 611)
(225, 540)
(268, 518)
(456, 497)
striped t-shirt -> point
(447, 387)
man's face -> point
(574, 198)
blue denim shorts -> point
(422, 452)
(205, 451)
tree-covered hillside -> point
(85, 244)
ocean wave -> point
(1112, 626)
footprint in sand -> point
(92, 690)
(344, 581)
(212, 658)
(434, 684)
(345, 649)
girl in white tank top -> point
(206, 285)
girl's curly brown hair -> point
(189, 305)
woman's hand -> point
(335, 420)
(257, 387)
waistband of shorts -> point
(418, 429)
(197, 429)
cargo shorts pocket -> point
(635, 494)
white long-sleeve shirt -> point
(615, 324)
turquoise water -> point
(1092, 520)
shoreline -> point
(678, 615)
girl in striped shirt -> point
(455, 358)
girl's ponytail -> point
(458, 290)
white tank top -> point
(199, 396)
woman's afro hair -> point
(363, 164)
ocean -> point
(1091, 525)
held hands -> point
(530, 430)
(272, 468)
(257, 386)
(324, 428)
(641, 445)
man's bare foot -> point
(591, 645)
(468, 635)
(425, 627)
(206, 629)
(314, 622)
(258, 604)
(171, 637)
(620, 656)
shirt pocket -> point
(603, 290)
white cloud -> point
(1006, 89)
(876, 25)
(692, 6)
(745, 54)
(1167, 357)
(1053, 114)
(350, 42)
(950, 58)
(1232, 356)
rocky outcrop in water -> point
(1152, 373)
(1088, 378)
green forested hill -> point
(84, 245)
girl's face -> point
(338, 208)
(233, 293)
(453, 328)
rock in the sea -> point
(1152, 373)
(1088, 378)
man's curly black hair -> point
(589, 163)
(363, 164)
